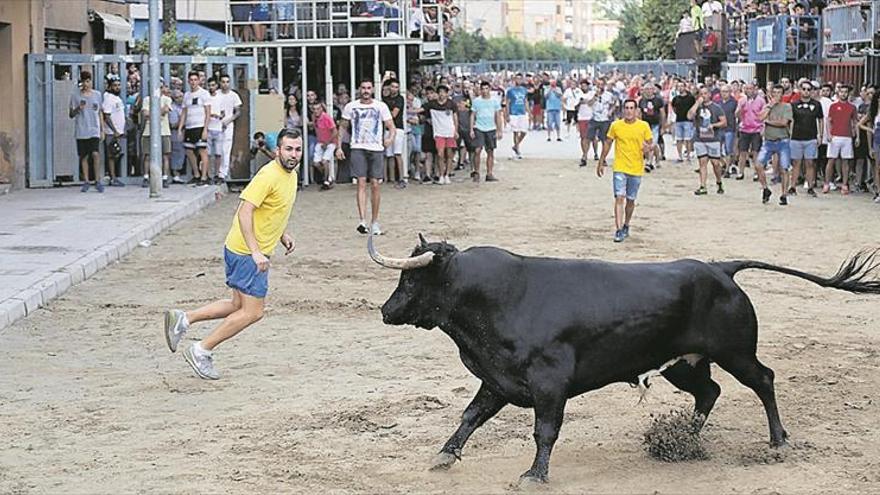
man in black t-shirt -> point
(653, 112)
(806, 136)
(394, 153)
(684, 126)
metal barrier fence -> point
(682, 68)
(52, 78)
(521, 66)
(853, 23)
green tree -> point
(628, 45)
(659, 26)
(473, 47)
(171, 44)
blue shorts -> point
(729, 137)
(554, 120)
(684, 131)
(655, 133)
(243, 275)
(801, 150)
(626, 185)
(781, 148)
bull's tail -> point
(857, 274)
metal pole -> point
(402, 79)
(155, 100)
(304, 115)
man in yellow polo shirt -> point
(260, 223)
(632, 138)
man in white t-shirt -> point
(571, 97)
(114, 127)
(366, 117)
(230, 108)
(194, 117)
(165, 133)
(584, 116)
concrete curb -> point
(29, 300)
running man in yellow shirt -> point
(260, 223)
(632, 138)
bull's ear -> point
(422, 240)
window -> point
(58, 41)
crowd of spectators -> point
(263, 20)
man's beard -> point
(289, 165)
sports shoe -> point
(765, 195)
(145, 182)
(219, 181)
(375, 230)
(618, 236)
(877, 198)
(826, 188)
(164, 182)
(583, 162)
(99, 186)
(811, 192)
(491, 178)
(117, 183)
(85, 187)
(177, 180)
(833, 186)
(720, 188)
(175, 327)
(792, 191)
(625, 231)
(701, 191)
(783, 201)
(475, 177)
(202, 364)
(362, 227)
(193, 180)
(448, 180)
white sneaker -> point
(833, 186)
(175, 327)
(202, 363)
(448, 180)
(376, 230)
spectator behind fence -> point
(114, 127)
(85, 108)
(165, 133)
(178, 153)
(326, 135)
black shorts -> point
(369, 164)
(86, 146)
(192, 138)
(571, 116)
(428, 144)
(750, 142)
(485, 140)
(464, 140)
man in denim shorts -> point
(258, 226)
(684, 126)
(631, 138)
(777, 118)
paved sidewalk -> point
(52, 239)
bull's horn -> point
(399, 263)
(422, 240)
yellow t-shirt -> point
(272, 191)
(628, 142)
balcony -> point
(334, 22)
(785, 39)
(853, 23)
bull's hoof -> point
(442, 461)
(780, 442)
(532, 479)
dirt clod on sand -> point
(675, 437)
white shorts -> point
(519, 123)
(397, 147)
(840, 147)
(324, 152)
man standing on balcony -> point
(366, 118)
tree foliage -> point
(473, 47)
(172, 44)
(647, 27)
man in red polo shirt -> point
(842, 121)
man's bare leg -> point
(375, 199)
(250, 312)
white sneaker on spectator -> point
(832, 186)
(376, 230)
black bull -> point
(538, 331)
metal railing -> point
(258, 21)
(785, 39)
(852, 23)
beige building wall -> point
(22, 28)
(188, 10)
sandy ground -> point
(321, 397)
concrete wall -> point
(22, 26)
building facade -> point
(46, 26)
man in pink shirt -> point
(750, 126)
(325, 131)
